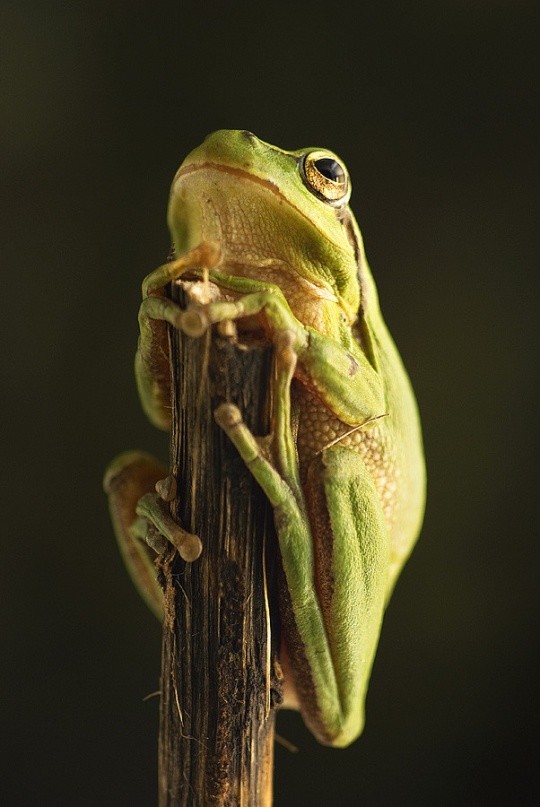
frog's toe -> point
(154, 510)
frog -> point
(271, 232)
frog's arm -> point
(346, 382)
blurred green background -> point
(432, 107)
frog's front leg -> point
(138, 489)
(345, 381)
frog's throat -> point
(241, 174)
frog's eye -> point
(326, 177)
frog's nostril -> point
(248, 135)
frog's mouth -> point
(241, 173)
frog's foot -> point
(156, 525)
(138, 512)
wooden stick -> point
(218, 682)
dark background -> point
(431, 106)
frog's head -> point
(270, 208)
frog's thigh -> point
(360, 560)
(129, 477)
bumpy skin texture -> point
(344, 470)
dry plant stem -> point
(218, 683)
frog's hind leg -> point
(129, 477)
(139, 489)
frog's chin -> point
(214, 202)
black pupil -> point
(330, 169)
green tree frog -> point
(271, 232)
